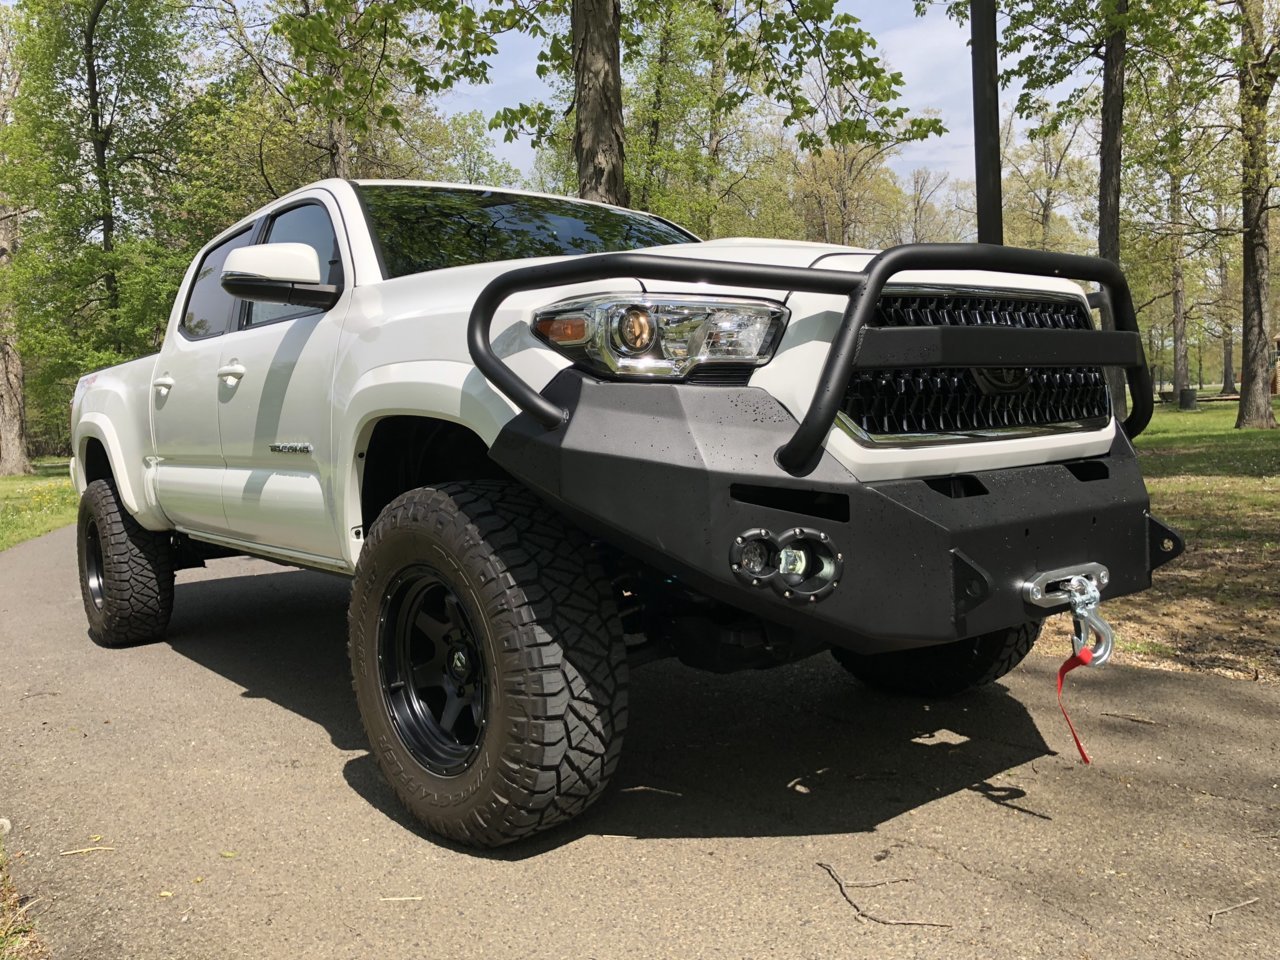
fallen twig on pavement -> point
(1133, 718)
(861, 915)
(68, 853)
(1234, 906)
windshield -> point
(427, 228)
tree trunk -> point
(597, 83)
(1257, 81)
(1228, 361)
(339, 149)
(656, 106)
(13, 424)
(715, 122)
(13, 427)
(100, 141)
(1181, 361)
(1109, 158)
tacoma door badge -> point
(291, 448)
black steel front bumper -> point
(673, 474)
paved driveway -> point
(227, 771)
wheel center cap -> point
(459, 664)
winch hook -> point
(1084, 597)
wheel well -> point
(406, 452)
(97, 466)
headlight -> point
(662, 337)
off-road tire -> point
(945, 670)
(126, 571)
(547, 628)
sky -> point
(931, 53)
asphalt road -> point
(228, 772)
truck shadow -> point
(798, 751)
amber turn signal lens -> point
(563, 329)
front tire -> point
(488, 660)
(126, 571)
(944, 670)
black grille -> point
(943, 310)
(904, 401)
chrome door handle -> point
(163, 385)
(231, 373)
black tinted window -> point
(309, 224)
(426, 228)
(208, 305)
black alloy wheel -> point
(93, 563)
(433, 671)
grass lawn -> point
(34, 505)
(1217, 607)
(17, 939)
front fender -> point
(442, 389)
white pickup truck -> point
(547, 438)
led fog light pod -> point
(799, 564)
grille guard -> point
(857, 345)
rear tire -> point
(488, 661)
(126, 571)
(945, 670)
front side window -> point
(209, 307)
(428, 228)
(309, 224)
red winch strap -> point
(1081, 659)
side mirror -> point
(278, 273)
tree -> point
(597, 83)
(13, 436)
(1044, 185)
(1180, 143)
(89, 149)
(1063, 48)
(1258, 66)
(762, 51)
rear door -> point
(184, 398)
(274, 405)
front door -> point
(184, 399)
(274, 404)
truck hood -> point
(829, 256)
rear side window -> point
(208, 305)
(309, 224)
